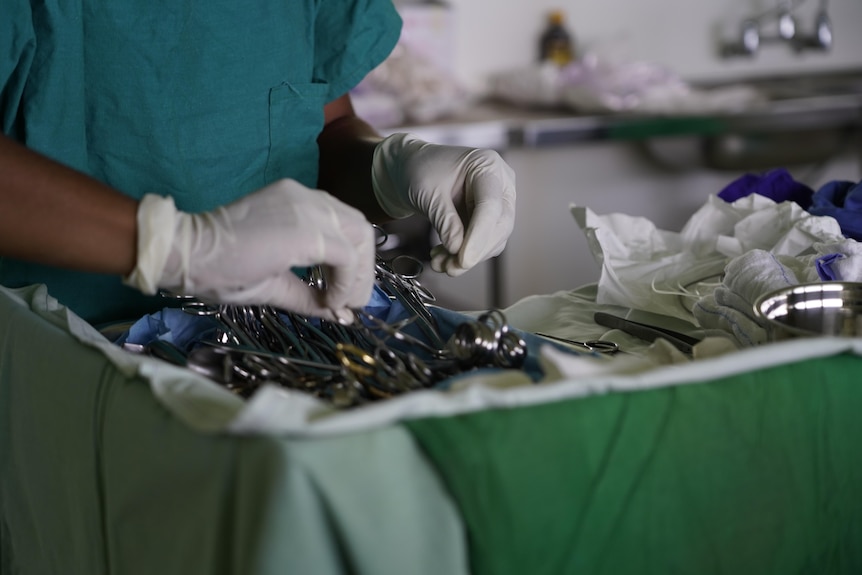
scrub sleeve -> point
(205, 102)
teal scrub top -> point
(201, 101)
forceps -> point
(593, 345)
(406, 289)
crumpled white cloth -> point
(731, 306)
(647, 268)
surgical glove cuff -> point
(157, 218)
(387, 174)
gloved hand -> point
(468, 195)
(243, 253)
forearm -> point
(53, 215)
(347, 146)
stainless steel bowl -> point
(811, 310)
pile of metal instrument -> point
(348, 365)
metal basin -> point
(812, 310)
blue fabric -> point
(843, 201)
(776, 184)
(172, 325)
(823, 264)
(202, 101)
(839, 199)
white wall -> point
(496, 35)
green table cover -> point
(757, 474)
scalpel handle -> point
(646, 332)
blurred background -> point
(655, 106)
(491, 36)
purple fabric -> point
(843, 201)
(824, 267)
(777, 184)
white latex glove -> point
(468, 195)
(243, 253)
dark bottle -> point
(555, 44)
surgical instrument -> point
(684, 343)
(600, 346)
(348, 365)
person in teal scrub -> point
(209, 149)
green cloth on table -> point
(754, 472)
(97, 477)
(759, 473)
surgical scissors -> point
(601, 346)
